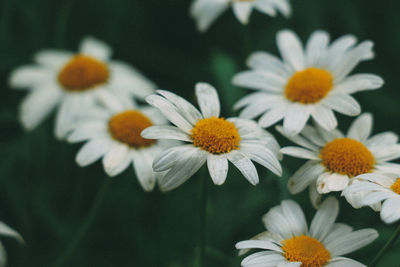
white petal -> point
(329, 135)
(361, 128)
(263, 244)
(340, 262)
(386, 153)
(306, 175)
(263, 259)
(142, 163)
(276, 222)
(117, 159)
(382, 139)
(313, 135)
(168, 158)
(328, 182)
(71, 107)
(265, 6)
(265, 61)
(273, 116)
(263, 156)
(260, 105)
(359, 82)
(95, 48)
(245, 166)
(390, 212)
(188, 110)
(283, 6)
(54, 59)
(351, 242)
(30, 76)
(296, 118)
(291, 49)
(388, 168)
(6, 230)
(384, 180)
(315, 197)
(316, 47)
(299, 140)
(92, 151)
(207, 11)
(377, 197)
(165, 132)
(218, 168)
(344, 104)
(183, 170)
(338, 230)
(109, 100)
(170, 112)
(242, 11)
(324, 117)
(295, 216)
(88, 131)
(207, 97)
(324, 218)
(38, 105)
(298, 152)
(266, 81)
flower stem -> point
(203, 217)
(388, 244)
(69, 250)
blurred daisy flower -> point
(7, 231)
(334, 160)
(205, 12)
(289, 242)
(113, 133)
(308, 82)
(378, 190)
(73, 82)
(211, 138)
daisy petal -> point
(324, 219)
(265, 61)
(242, 11)
(361, 128)
(263, 156)
(218, 168)
(359, 82)
(291, 49)
(266, 81)
(6, 230)
(298, 152)
(295, 119)
(92, 151)
(382, 139)
(299, 140)
(390, 210)
(169, 157)
(245, 166)
(165, 132)
(328, 182)
(386, 153)
(95, 48)
(295, 216)
(306, 175)
(116, 160)
(29, 77)
(263, 244)
(324, 117)
(316, 47)
(273, 116)
(344, 104)
(341, 261)
(351, 242)
(207, 98)
(263, 258)
(207, 11)
(54, 59)
(142, 163)
(315, 197)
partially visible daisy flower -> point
(210, 138)
(289, 243)
(73, 82)
(113, 133)
(308, 82)
(7, 231)
(334, 159)
(205, 12)
(378, 190)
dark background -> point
(51, 201)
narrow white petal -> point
(245, 166)
(54, 59)
(296, 118)
(165, 132)
(328, 182)
(298, 152)
(341, 261)
(117, 159)
(377, 197)
(265, 6)
(291, 49)
(242, 11)
(298, 139)
(388, 168)
(265, 61)
(205, 12)
(259, 106)
(266, 81)
(315, 197)
(324, 218)
(142, 164)
(71, 107)
(361, 128)
(313, 135)
(359, 82)
(384, 180)
(109, 100)
(382, 139)
(387, 153)
(295, 216)
(263, 156)
(207, 97)
(92, 151)
(6, 230)
(218, 168)
(273, 116)
(306, 175)
(88, 131)
(329, 135)
(344, 104)
(262, 244)
(390, 212)
(316, 47)
(263, 259)
(351, 242)
(28, 77)
(324, 116)
(276, 222)
(95, 48)
(338, 230)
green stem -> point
(388, 244)
(69, 250)
(203, 217)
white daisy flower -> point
(205, 12)
(308, 82)
(7, 231)
(113, 133)
(210, 138)
(73, 82)
(289, 243)
(334, 159)
(378, 190)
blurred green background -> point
(51, 201)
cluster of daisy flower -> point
(101, 102)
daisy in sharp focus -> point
(205, 12)
(73, 82)
(334, 160)
(7, 231)
(308, 82)
(378, 190)
(113, 134)
(210, 139)
(289, 243)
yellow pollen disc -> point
(82, 73)
(127, 126)
(396, 186)
(347, 156)
(309, 85)
(307, 250)
(215, 135)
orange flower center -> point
(215, 135)
(83, 73)
(347, 156)
(309, 85)
(396, 186)
(307, 250)
(127, 126)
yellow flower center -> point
(309, 85)
(347, 156)
(396, 186)
(307, 250)
(127, 126)
(83, 73)
(215, 135)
